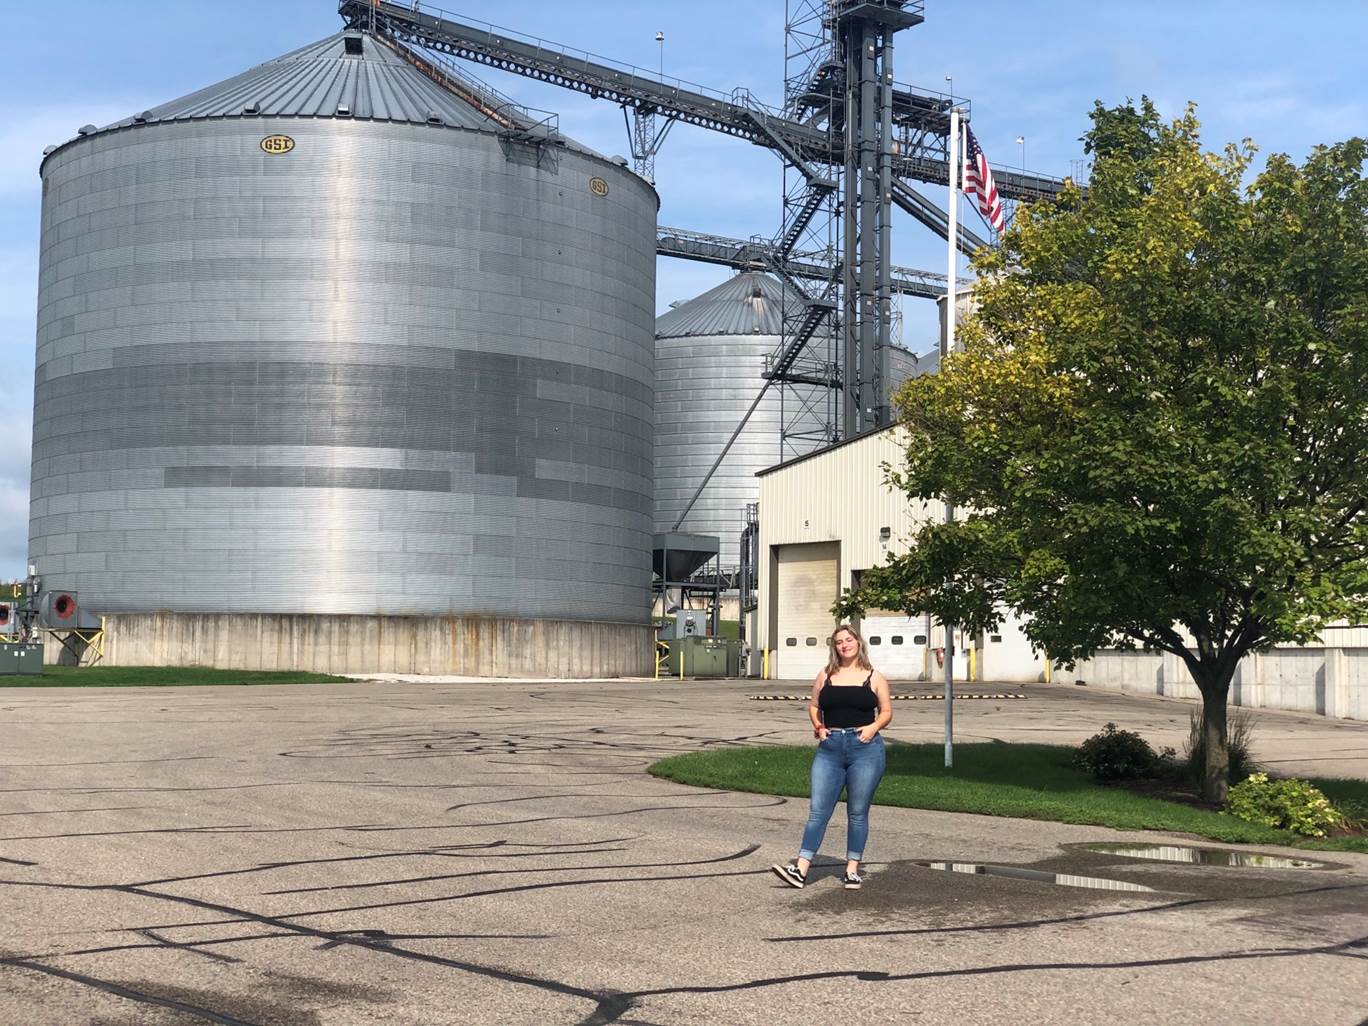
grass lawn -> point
(161, 676)
(1022, 780)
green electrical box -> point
(16, 659)
(733, 657)
(703, 657)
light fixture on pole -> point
(951, 87)
(660, 38)
(1021, 141)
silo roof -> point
(748, 304)
(330, 78)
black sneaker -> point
(789, 874)
(852, 881)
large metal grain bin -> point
(346, 334)
(710, 355)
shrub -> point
(1168, 766)
(1239, 734)
(1353, 815)
(1286, 804)
(1116, 755)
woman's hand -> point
(821, 734)
(868, 733)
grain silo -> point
(904, 364)
(347, 363)
(710, 355)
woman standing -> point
(850, 706)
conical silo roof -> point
(353, 75)
(749, 304)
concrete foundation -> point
(1327, 681)
(476, 646)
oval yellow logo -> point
(598, 187)
(275, 144)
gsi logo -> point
(276, 144)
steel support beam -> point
(929, 214)
(735, 113)
(757, 255)
(851, 139)
(865, 37)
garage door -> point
(897, 643)
(807, 586)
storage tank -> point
(904, 364)
(347, 334)
(710, 357)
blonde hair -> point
(861, 656)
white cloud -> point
(18, 290)
(17, 295)
(15, 432)
(13, 543)
(24, 136)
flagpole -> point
(952, 261)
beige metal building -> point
(825, 518)
(828, 516)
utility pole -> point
(947, 347)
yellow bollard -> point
(764, 664)
(973, 664)
(1048, 667)
(681, 664)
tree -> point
(1157, 430)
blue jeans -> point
(843, 761)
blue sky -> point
(1283, 75)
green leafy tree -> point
(1157, 430)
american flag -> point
(978, 181)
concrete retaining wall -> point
(458, 645)
(1323, 681)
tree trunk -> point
(1216, 772)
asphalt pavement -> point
(446, 852)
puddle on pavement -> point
(1037, 876)
(1202, 856)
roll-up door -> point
(808, 584)
(897, 643)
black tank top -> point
(848, 705)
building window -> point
(919, 639)
(812, 642)
(897, 639)
(791, 642)
(875, 640)
(996, 637)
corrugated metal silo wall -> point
(704, 385)
(902, 364)
(392, 371)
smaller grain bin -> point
(710, 355)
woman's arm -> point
(885, 715)
(819, 730)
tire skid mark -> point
(609, 1007)
(552, 819)
(119, 990)
(750, 850)
(450, 851)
